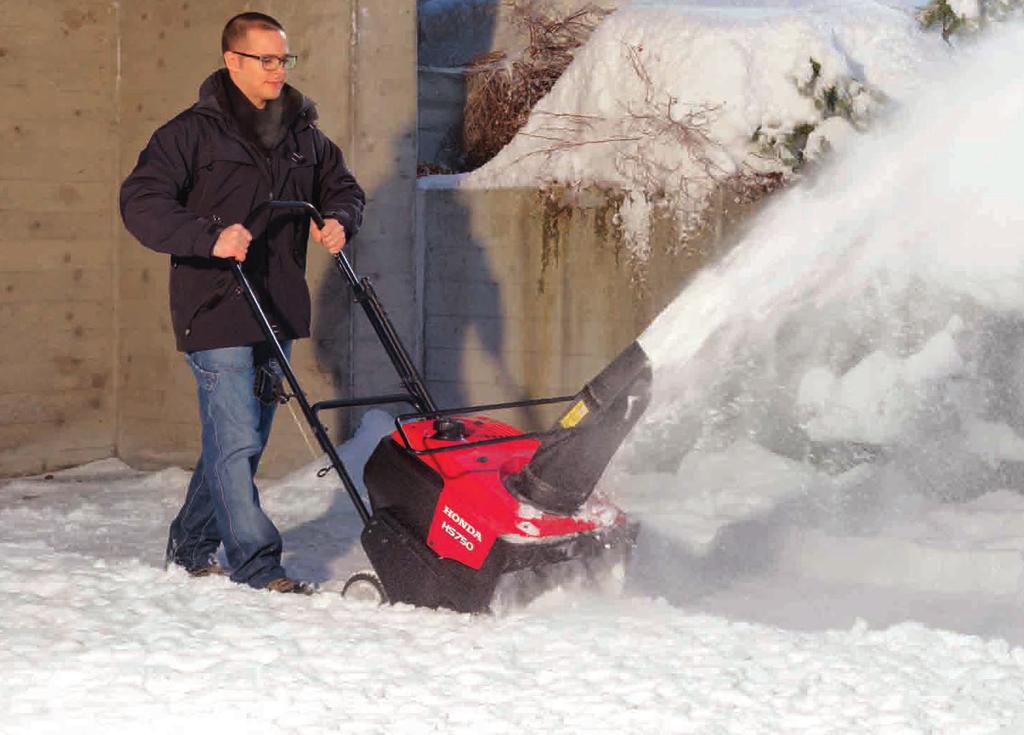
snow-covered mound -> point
(670, 98)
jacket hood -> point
(299, 110)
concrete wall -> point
(507, 294)
(89, 368)
(529, 294)
(58, 133)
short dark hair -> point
(236, 28)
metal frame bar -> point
(368, 401)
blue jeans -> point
(223, 504)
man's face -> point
(256, 83)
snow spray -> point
(863, 347)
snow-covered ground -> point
(97, 637)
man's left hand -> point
(332, 236)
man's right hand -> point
(232, 243)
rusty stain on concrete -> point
(68, 194)
(74, 19)
(67, 364)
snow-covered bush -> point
(956, 17)
(845, 104)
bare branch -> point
(500, 93)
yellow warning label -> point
(574, 415)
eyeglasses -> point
(272, 63)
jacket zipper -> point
(215, 298)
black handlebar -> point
(312, 211)
(314, 214)
(365, 296)
(363, 291)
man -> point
(250, 137)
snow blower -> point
(466, 512)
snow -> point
(837, 404)
(970, 9)
(874, 399)
(99, 638)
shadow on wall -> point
(338, 326)
(467, 307)
(467, 357)
(462, 301)
(462, 305)
(450, 35)
(340, 330)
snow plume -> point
(859, 359)
(670, 101)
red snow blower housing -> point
(467, 511)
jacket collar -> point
(299, 113)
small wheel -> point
(364, 586)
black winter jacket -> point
(199, 174)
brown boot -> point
(294, 586)
(213, 567)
